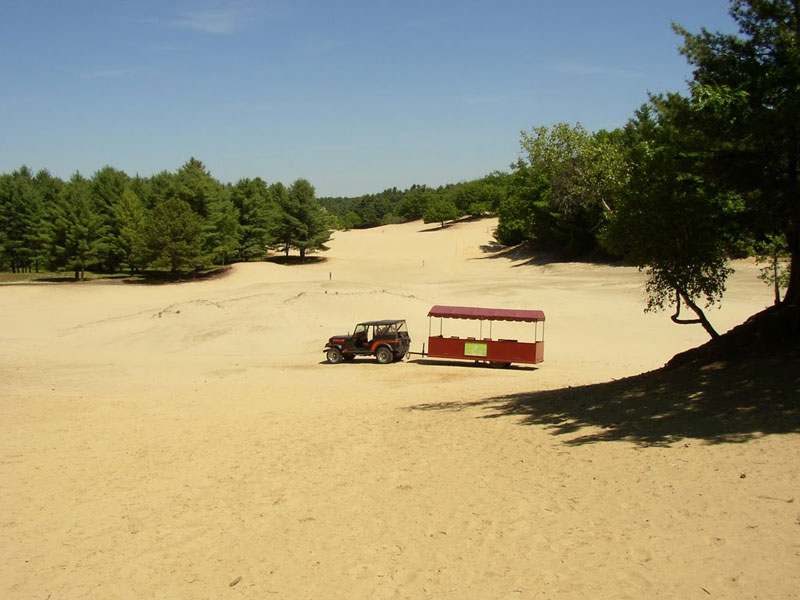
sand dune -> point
(170, 441)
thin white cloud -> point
(225, 18)
(222, 21)
(578, 68)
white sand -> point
(166, 441)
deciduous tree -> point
(439, 210)
(562, 187)
(745, 88)
(668, 220)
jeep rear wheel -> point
(335, 356)
(384, 355)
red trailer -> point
(487, 349)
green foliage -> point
(476, 198)
(373, 209)
(155, 189)
(107, 187)
(286, 226)
(300, 221)
(772, 253)
(350, 221)
(252, 199)
(309, 221)
(174, 235)
(130, 243)
(562, 188)
(79, 233)
(440, 210)
(392, 219)
(747, 98)
(414, 202)
(669, 220)
(194, 185)
(113, 221)
(49, 191)
(21, 220)
(222, 230)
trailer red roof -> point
(486, 314)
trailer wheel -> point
(384, 355)
(335, 356)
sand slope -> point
(167, 441)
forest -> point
(181, 222)
(689, 182)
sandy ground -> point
(188, 441)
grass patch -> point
(151, 277)
(52, 277)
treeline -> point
(689, 181)
(686, 184)
(433, 205)
(181, 221)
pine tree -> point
(107, 187)
(20, 214)
(78, 231)
(305, 220)
(256, 213)
(129, 222)
(174, 235)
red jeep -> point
(385, 340)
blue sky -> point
(354, 96)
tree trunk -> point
(776, 284)
(792, 297)
(701, 317)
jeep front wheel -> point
(384, 355)
(335, 356)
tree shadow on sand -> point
(437, 226)
(295, 260)
(539, 255)
(720, 402)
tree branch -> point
(701, 317)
